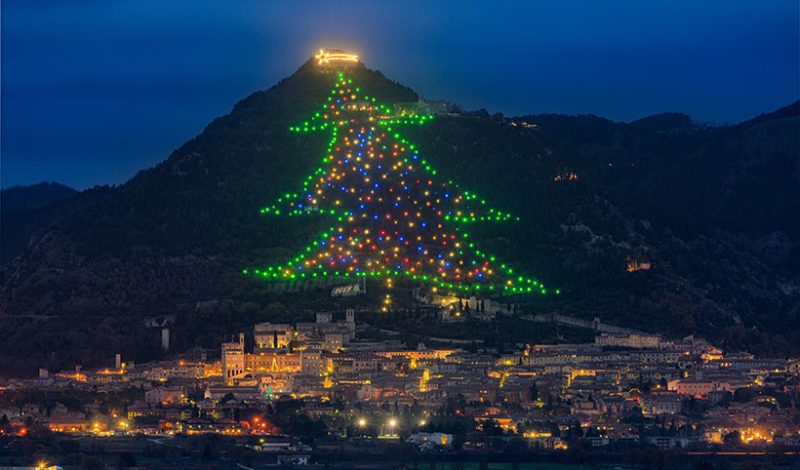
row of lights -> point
(392, 423)
(395, 216)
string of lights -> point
(393, 217)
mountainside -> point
(34, 196)
(713, 213)
(26, 209)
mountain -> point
(710, 210)
(789, 111)
(26, 209)
(741, 178)
(34, 196)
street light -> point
(362, 422)
(393, 422)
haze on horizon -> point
(95, 91)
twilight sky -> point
(95, 90)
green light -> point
(466, 207)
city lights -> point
(392, 311)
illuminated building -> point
(165, 395)
(204, 426)
(432, 437)
(701, 387)
(423, 106)
(272, 336)
(661, 403)
(333, 333)
(566, 176)
(328, 334)
(418, 355)
(176, 370)
(631, 340)
(637, 264)
(312, 362)
(272, 362)
(74, 423)
(233, 359)
(243, 392)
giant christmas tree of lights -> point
(394, 217)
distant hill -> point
(711, 210)
(26, 209)
(34, 196)
(790, 111)
(664, 122)
(742, 178)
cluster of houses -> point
(608, 389)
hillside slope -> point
(34, 196)
(27, 209)
(180, 232)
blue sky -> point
(95, 90)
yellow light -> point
(326, 57)
(393, 423)
(362, 422)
